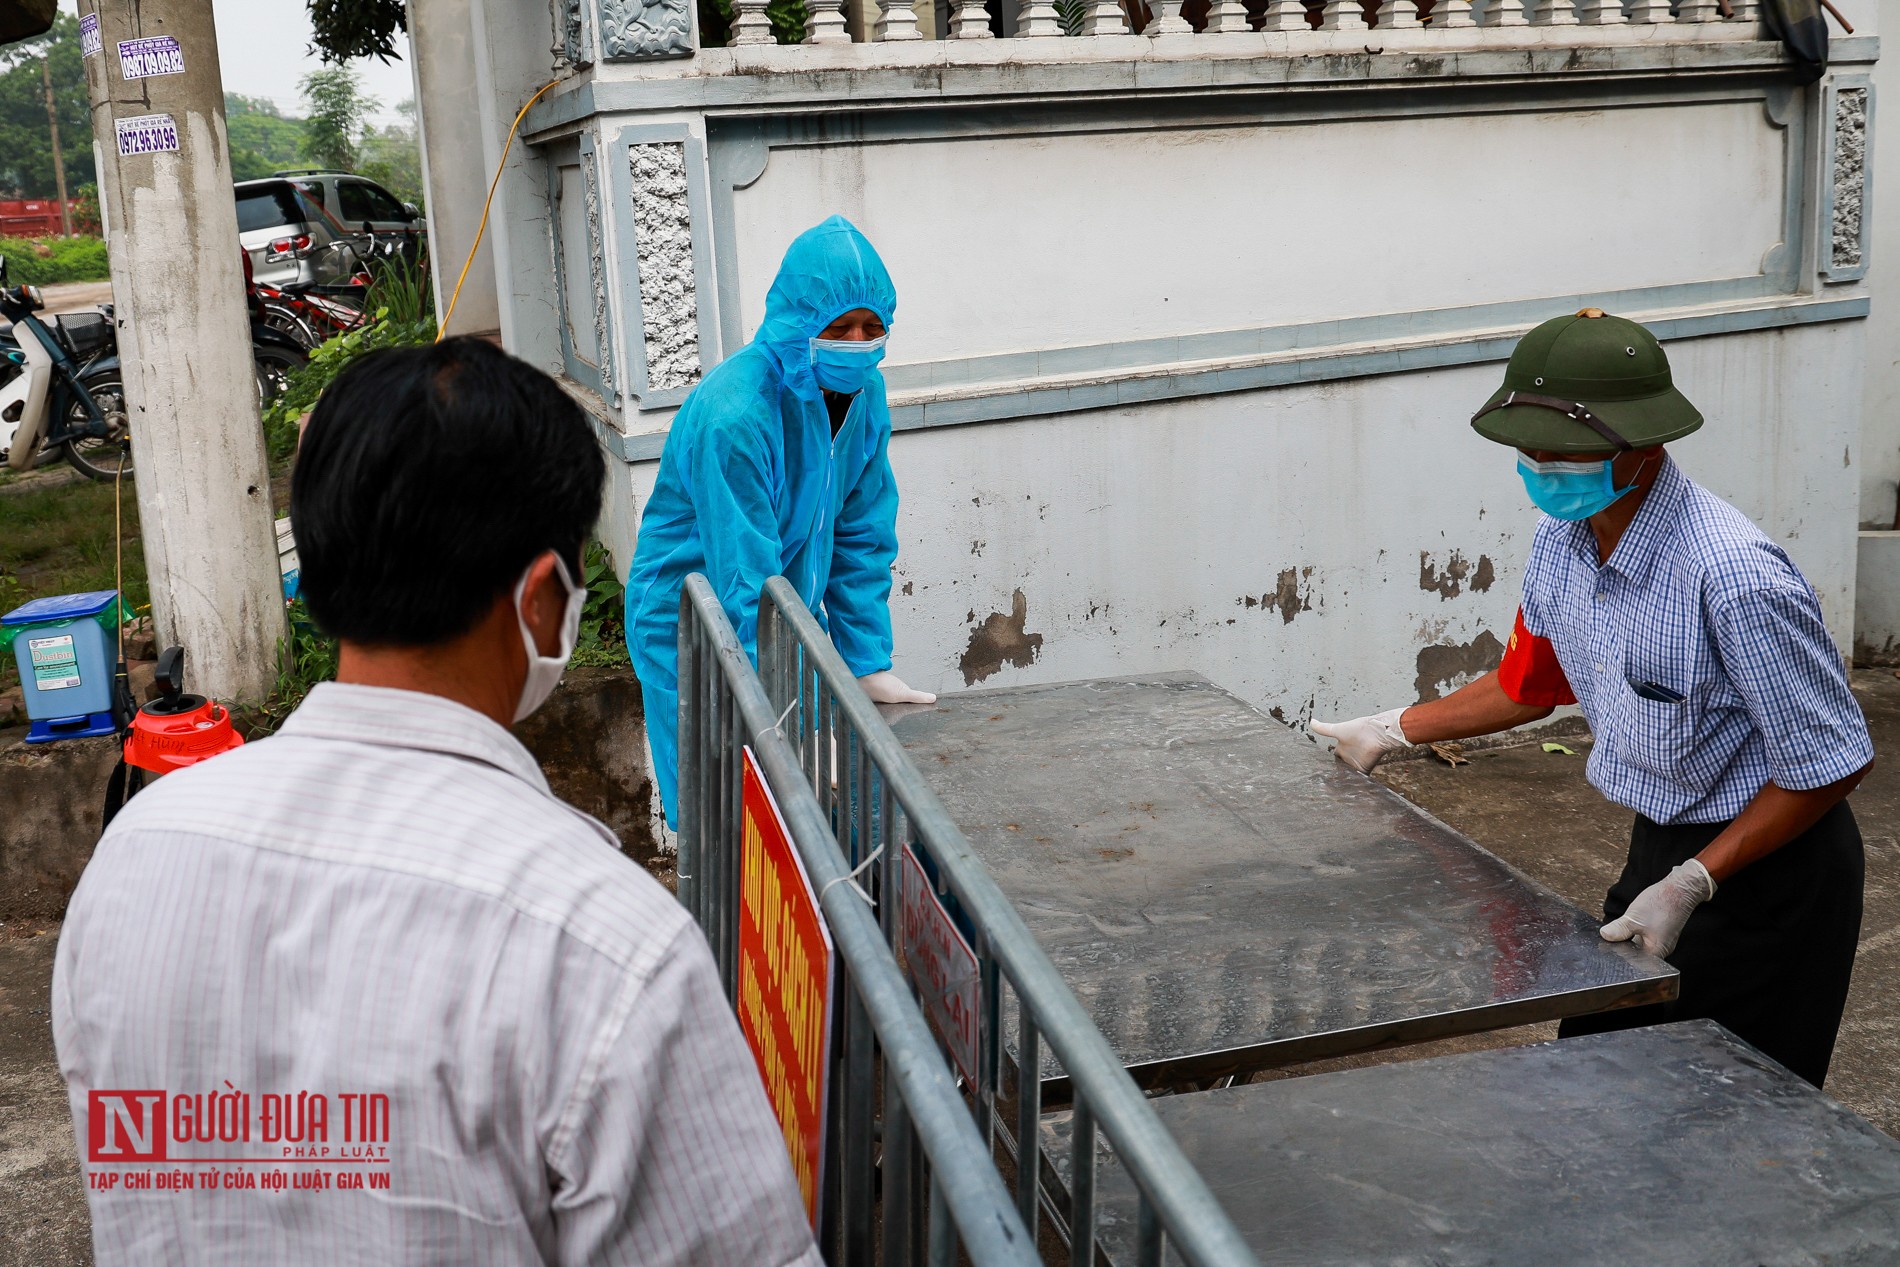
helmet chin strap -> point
(1568, 408)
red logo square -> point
(125, 1126)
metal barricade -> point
(938, 1182)
(876, 801)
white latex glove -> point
(1654, 920)
(885, 687)
(1364, 741)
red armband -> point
(1529, 672)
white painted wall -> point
(1334, 548)
(1336, 545)
(1123, 235)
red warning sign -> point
(785, 980)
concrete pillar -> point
(510, 68)
(456, 164)
(1878, 455)
(184, 337)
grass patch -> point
(58, 540)
(78, 259)
(305, 657)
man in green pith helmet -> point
(1720, 705)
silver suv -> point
(364, 208)
(290, 238)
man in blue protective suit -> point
(778, 465)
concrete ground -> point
(1534, 810)
(1531, 808)
(75, 297)
(42, 1200)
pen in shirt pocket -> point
(1657, 692)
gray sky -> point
(263, 46)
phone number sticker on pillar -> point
(159, 55)
(147, 134)
(89, 41)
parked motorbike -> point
(277, 355)
(307, 315)
(311, 313)
(274, 353)
(62, 392)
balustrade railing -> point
(897, 20)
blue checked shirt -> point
(1694, 603)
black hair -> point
(427, 481)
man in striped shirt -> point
(366, 992)
(1719, 703)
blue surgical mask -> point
(845, 365)
(1569, 490)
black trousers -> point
(1769, 957)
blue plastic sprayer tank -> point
(65, 659)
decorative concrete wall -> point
(663, 240)
(1189, 329)
(1321, 549)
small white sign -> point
(147, 134)
(159, 55)
(55, 663)
(942, 966)
(89, 42)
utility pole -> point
(59, 160)
(184, 337)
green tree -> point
(26, 145)
(715, 21)
(392, 156)
(347, 29)
(262, 140)
(86, 218)
(337, 106)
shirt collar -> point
(1642, 542)
(394, 718)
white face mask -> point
(1561, 468)
(544, 671)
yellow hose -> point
(443, 326)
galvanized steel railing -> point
(939, 1184)
(874, 799)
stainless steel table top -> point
(1677, 1144)
(1222, 895)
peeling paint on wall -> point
(1291, 595)
(1451, 664)
(1302, 715)
(1450, 582)
(1000, 640)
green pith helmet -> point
(1587, 384)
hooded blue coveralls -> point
(753, 485)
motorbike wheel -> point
(274, 367)
(282, 319)
(101, 457)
